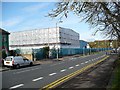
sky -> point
(20, 16)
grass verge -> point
(116, 80)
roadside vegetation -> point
(46, 52)
(116, 78)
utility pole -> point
(48, 45)
(57, 39)
(56, 42)
(83, 51)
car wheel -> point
(31, 64)
(17, 66)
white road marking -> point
(103, 56)
(61, 62)
(55, 64)
(26, 70)
(71, 67)
(73, 59)
(16, 86)
(77, 65)
(52, 74)
(82, 63)
(35, 68)
(37, 79)
(63, 70)
(86, 62)
(22, 71)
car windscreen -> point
(8, 59)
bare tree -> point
(104, 16)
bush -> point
(4, 55)
(116, 80)
(46, 52)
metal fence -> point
(39, 53)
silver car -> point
(17, 61)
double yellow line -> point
(67, 77)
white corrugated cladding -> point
(69, 37)
(38, 38)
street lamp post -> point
(56, 42)
(83, 51)
(57, 39)
(90, 50)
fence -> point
(38, 54)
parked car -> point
(17, 61)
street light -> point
(83, 51)
(57, 38)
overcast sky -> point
(20, 16)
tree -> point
(46, 51)
(103, 16)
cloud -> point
(35, 8)
(12, 21)
(30, 0)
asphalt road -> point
(37, 77)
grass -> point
(116, 80)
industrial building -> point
(57, 37)
(83, 44)
(4, 41)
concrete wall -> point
(28, 56)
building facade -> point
(38, 38)
(4, 41)
(83, 44)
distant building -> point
(38, 38)
(83, 44)
(4, 40)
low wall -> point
(28, 56)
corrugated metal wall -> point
(39, 53)
(38, 38)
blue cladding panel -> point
(39, 53)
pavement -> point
(97, 77)
(3, 69)
(34, 64)
(47, 61)
(44, 61)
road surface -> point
(39, 76)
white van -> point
(17, 61)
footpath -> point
(95, 78)
(46, 61)
(43, 61)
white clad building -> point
(38, 38)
